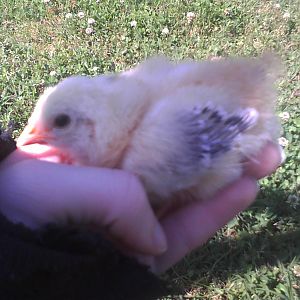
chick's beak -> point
(31, 135)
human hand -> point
(36, 192)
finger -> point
(43, 152)
(195, 224)
(37, 192)
(266, 162)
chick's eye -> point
(62, 120)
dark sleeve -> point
(7, 144)
(67, 263)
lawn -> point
(257, 256)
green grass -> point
(257, 256)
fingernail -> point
(282, 155)
(159, 239)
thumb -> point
(37, 192)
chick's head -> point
(85, 118)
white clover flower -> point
(80, 14)
(89, 30)
(277, 5)
(190, 16)
(46, 1)
(282, 141)
(296, 270)
(133, 23)
(227, 11)
(91, 21)
(165, 31)
(68, 16)
(52, 73)
(284, 116)
(286, 15)
(122, 1)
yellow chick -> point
(184, 128)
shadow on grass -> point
(267, 234)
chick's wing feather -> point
(180, 140)
(206, 117)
